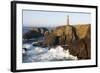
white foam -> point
(54, 54)
(23, 51)
(68, 55)
(57, 53)
(27, 46)
(39, 50)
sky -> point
(53, 18)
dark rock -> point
(32, 34)
(79, 48)
(35, 33)
(49, 40)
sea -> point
(31, 53)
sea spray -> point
(38, 54)
(58, 53)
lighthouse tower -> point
(68, 20)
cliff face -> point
(76, 38)
(83, 31)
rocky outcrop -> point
(76, 37)
(48, 39)
(80, 49)
(34, 33)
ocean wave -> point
(57, 53)
(38, 54)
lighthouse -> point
(68, 20)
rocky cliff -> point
(76, 38)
